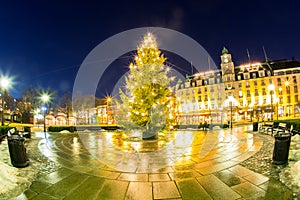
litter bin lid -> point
(282, 135)
(15, 137)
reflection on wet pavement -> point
(185, 165)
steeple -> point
(227, 66)
(224, 51)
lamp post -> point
(271, 88)
(45, 98)
(5, 83)
(230, 100)
(108, 102)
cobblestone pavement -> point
(219, 164)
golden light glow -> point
(45, 97)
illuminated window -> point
(240, 93)
(239, 77)
(288, 91)
(261, 74)
(247, 84)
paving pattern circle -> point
(202, 152)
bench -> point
(204, 126)
(280, 129)
(267, 127)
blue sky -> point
(43, 43)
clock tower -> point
(227, 66)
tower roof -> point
(224, 51)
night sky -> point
(43, 43)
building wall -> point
(248, 92)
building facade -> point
(255, 91)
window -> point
(247, 84)
(228, 78)
(239, 77)
(240, 85)
(270, 81)
(279, 81)
(264, 91)
(256, 92)
(288, 99)
(248, 93)
(240, 93)
(218, 80)
(199, 98)
(261, 74)
(212, 89)
(280, 100)
(269, 73)
(295, 79)
(205, 99)
(295, 89)
(246, 76)
(255, 83)
(263, 82)
(288, 91)
(296, 98)
(199, 90)
(253, 75)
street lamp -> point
(271, 88)
(45, 99)
(5, 83)
(108, 103)
(231, 99)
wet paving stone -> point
(113, 190)
(234, 167)
(165, 190)
(191, 189)
(91, 187)
(139, 190)
(229, 178)
(249, 191)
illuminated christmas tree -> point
(147, 104)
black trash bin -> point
(255, 126)
(281, 148)
(17, 151)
